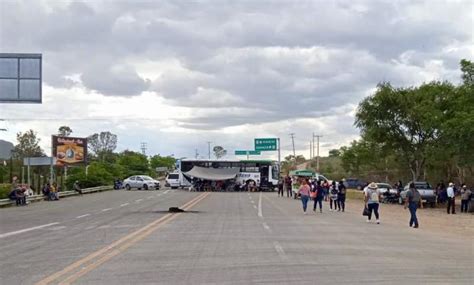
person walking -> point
(289, 191)
(326, 190)
(412, 201)
(319, 196)
(333, 191)
(304, 193)
(372, 201)
(451, 196)
(341, 196)
(465, 197)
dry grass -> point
(355, 194)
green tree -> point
(467, 69)
(334, 153)
(64, 131)
(134, 163)
(102, 144)
(28, 145)
(406, 120)
(162, 161)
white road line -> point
(266, 226)
(252, 202)
(105, 210)
(166, 191)
(260, 205)
(82, 216)
(139, 200)
(26, 230)
(123, 205)
(255, 206)
(279, 250)
(151, 197)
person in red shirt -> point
(304, 193)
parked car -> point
(355, 183)
(141, 182)
(426, 191)
(384, 187)
(172, 180)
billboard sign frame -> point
(69, 150)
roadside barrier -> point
(62, 194)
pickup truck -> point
(426, 192)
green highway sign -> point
(266, 144)
(247, 152)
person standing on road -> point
(304, 193)
(341, 196)
(289, 191)
(413, 200)
(451, 202)
(319, 196)
(333, 196)
(281, 187)
(372, 201)
(325, 190)
(465, 197)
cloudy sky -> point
(176, 74)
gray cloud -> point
(239, 63)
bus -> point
(264, 173)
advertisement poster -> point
(69, 150)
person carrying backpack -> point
(372, 201)
(341, 196)
(413, 200)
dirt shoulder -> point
(435, 220)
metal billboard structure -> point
(20, 78)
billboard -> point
(20, 78)
(69, 150)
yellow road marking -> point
(116, 247)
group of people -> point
(19, 192)
(317, 191)
(448, 195)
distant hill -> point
(5, 149)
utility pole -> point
(317, 150)
(196, 155)
(209, 150)
(310, 150)
(292, 135)
(143, 147)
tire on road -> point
(145, 187)
(127, 187)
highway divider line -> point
(82, 216)
(260, 214)
(26, 230)
(112, 247)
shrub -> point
(5, 190)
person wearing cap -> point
(465, 196)
(451, 202)
(413, 200)
(372, 200)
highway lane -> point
(243, 238)
(82, 227)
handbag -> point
(365, 212)
(312, 194)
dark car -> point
(355, 183)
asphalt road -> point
(122, 237)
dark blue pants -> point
(375, 208)
(412, 206)
(320, 201)
(304, 200)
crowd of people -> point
(335, 193)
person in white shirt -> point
(451, 195)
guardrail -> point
(62, 194)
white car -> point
(172, 180)
(141, 182)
